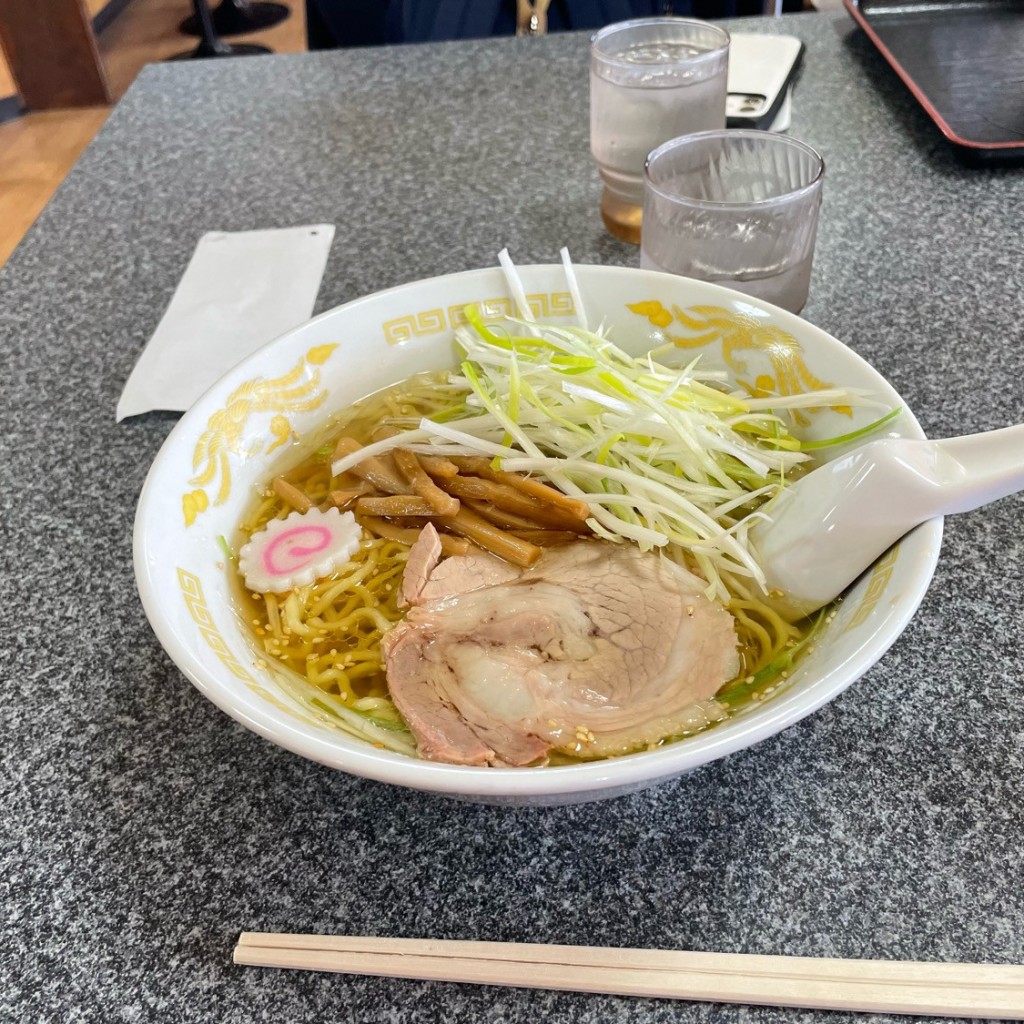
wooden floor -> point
(6, 80)
(38, 150)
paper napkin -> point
(240, 290)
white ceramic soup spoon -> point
(828, 527)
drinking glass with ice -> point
(651, 79)
(739, 208)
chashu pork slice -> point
(598, 649)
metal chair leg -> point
(237, 17)
(211, 44)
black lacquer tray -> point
(963, 61)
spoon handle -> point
(992, 468)
(828, 527)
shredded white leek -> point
(665, 457)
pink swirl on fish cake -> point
(288, 552)
(298, 550)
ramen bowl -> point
(267, 410)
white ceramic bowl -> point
(235, 436)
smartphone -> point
(762, 69)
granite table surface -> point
(142, 829)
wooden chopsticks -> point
(883, 986)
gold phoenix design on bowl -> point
(738, 333)
(296, 391)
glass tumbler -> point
(739, 208)
(651, 79)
